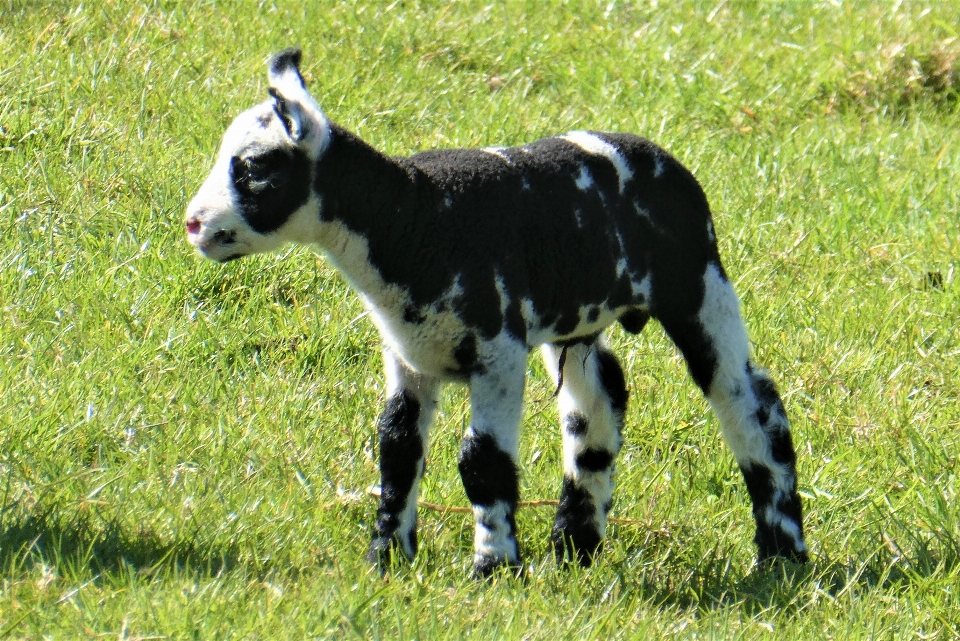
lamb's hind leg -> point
(714, 342)
(592, 399)
(403, 428)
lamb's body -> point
(538, 241)
(466, 260)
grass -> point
(185, 448)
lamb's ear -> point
(299, 112)
(291, 115)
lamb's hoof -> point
(486, 567)
(768, 558)
(580, 547)
(380, 553)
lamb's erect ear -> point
(299, 112)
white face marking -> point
(593, 144)
(710, 232)
(584, 180)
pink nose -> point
(193, 226)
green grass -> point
(185, 448)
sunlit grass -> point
(185, 448)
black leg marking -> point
(697, 350)
(611, 376)
(773, 418)
(771, 538)
(491, 482)
(575, 535)
(489, 474)
(594, 460)
(591, 409)
(715, 345)
(401, 459)
(777, 510)
(633, 321)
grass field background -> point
(185, 448)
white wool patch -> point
(498, 152)
(657, 166)
(642, 287)
(496, 395)
(621, 267)
(593, 144)
(492, 535)
(642, 212)
(584, 181)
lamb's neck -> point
(362, 193)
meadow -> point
(187, 449)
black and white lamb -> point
(468, 258)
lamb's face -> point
(259, 193)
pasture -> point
(187, 449)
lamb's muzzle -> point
(469, 258)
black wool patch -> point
(576, 424)
(767, 396)
(759, 485)
(697, 349)
(594, 460)
(633, 321)
(465, 354)
(489, 474)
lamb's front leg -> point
(488, 459)
(404, 428)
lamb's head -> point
(259, 193)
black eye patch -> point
(270, 186)
(262, 167)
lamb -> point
(467, 259)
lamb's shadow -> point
(788, 588)
(77, 541)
